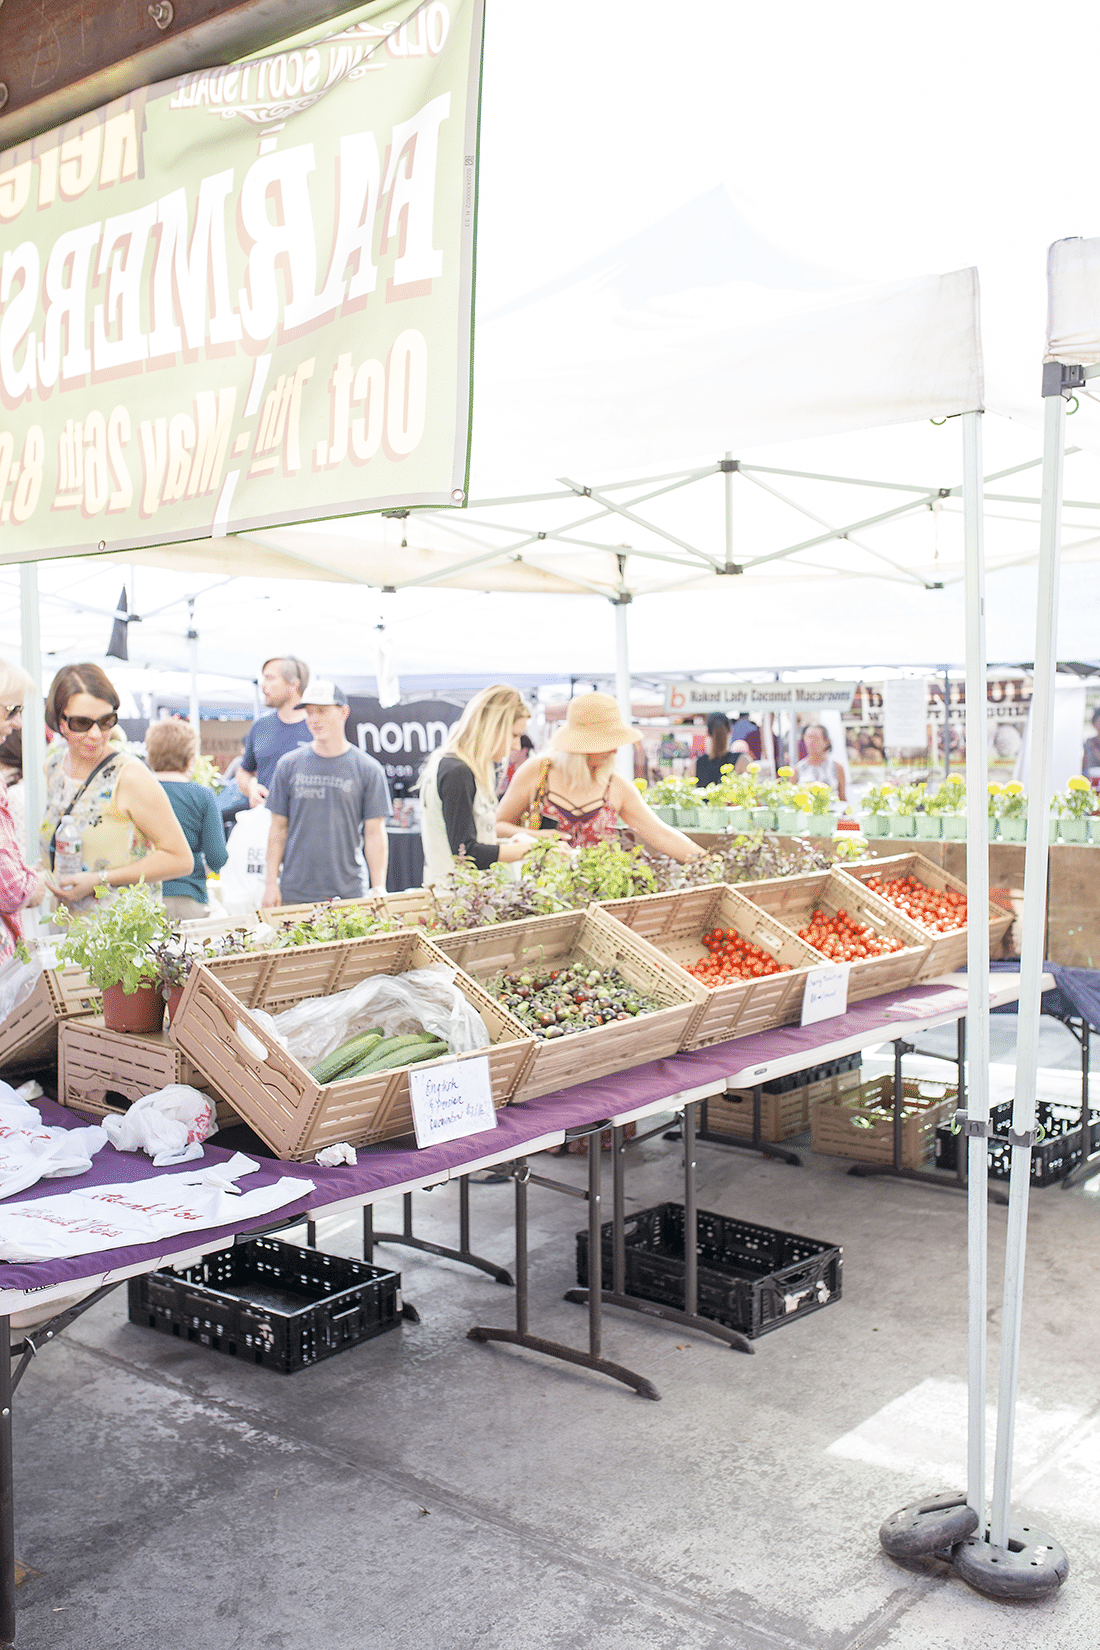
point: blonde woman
(19, 885)
(458, 786)
(576, 791)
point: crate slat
(276, 1095)
(791, 900)
(675, 924)
(563, 937)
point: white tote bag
(242, 877)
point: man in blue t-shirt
(282, 682)
(329, 803)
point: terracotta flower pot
(140, 1011)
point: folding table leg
(1090, 1160)
(689, 1317)
(520, 1335)
(7, 1495)
(464, 1254)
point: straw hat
(593, 723)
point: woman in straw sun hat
(575, 790)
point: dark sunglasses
(11, 710)
(82, 724)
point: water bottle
(67, 861)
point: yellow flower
(887, 789)
(801, 799)
(786, 773)
(1013, 788)
(641, 784)
(1078, 783)
(994, 788)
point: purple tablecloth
(380, 1167)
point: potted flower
(1012, 812)
(877, 808)
(739, 791)
(949, 804)
(114, 944)
(1074, 807)
(763, 809)
(927, 818)
(789, 810)
(820, 822)
(173, 963)
(908, 799)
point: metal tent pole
(976, 1121)
(1031, 948)
(625, 759)
(34, 726)
(193, 652)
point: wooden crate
(860, 1125)
(791, 900)
(562, 938)
(28, 1037)
(675, 924)
(781, 1115)
(947, 952)
(411, 908)
(101, 1072)
(273, 1091)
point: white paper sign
(452, 1100)
(905, 714)
(826, 993)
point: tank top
(438, 859)
(582, 827)
(107, 837)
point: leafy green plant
(205, 773)
(821, 797)
(1076, 801)
(909, 800)
(949, 799)
(880, 799)
(1012, 802)
(115, 943)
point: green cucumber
(406, 1057)
(349, 1053)
(390, 1045)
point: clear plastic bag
(424, 999)
(17, 981)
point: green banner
(245, 297)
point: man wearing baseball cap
(329, 803)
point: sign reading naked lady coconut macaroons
(243, 297)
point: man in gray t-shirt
(329, 803)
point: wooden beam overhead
(64, 58)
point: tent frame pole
(624, 759)
(976, 1123)
(1033, 924)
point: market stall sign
(401, 737)
(451, 1101)
(243, 297)
(826, 993)
(754, 698)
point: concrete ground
(425, 1491)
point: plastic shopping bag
(424, 998)
(244, 874)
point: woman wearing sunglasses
(127, 828)
(19, 885)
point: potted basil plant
(116, 946)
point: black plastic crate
(271, 1303)
(1051, 1158)
(751, 1278)
(813, 1074)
